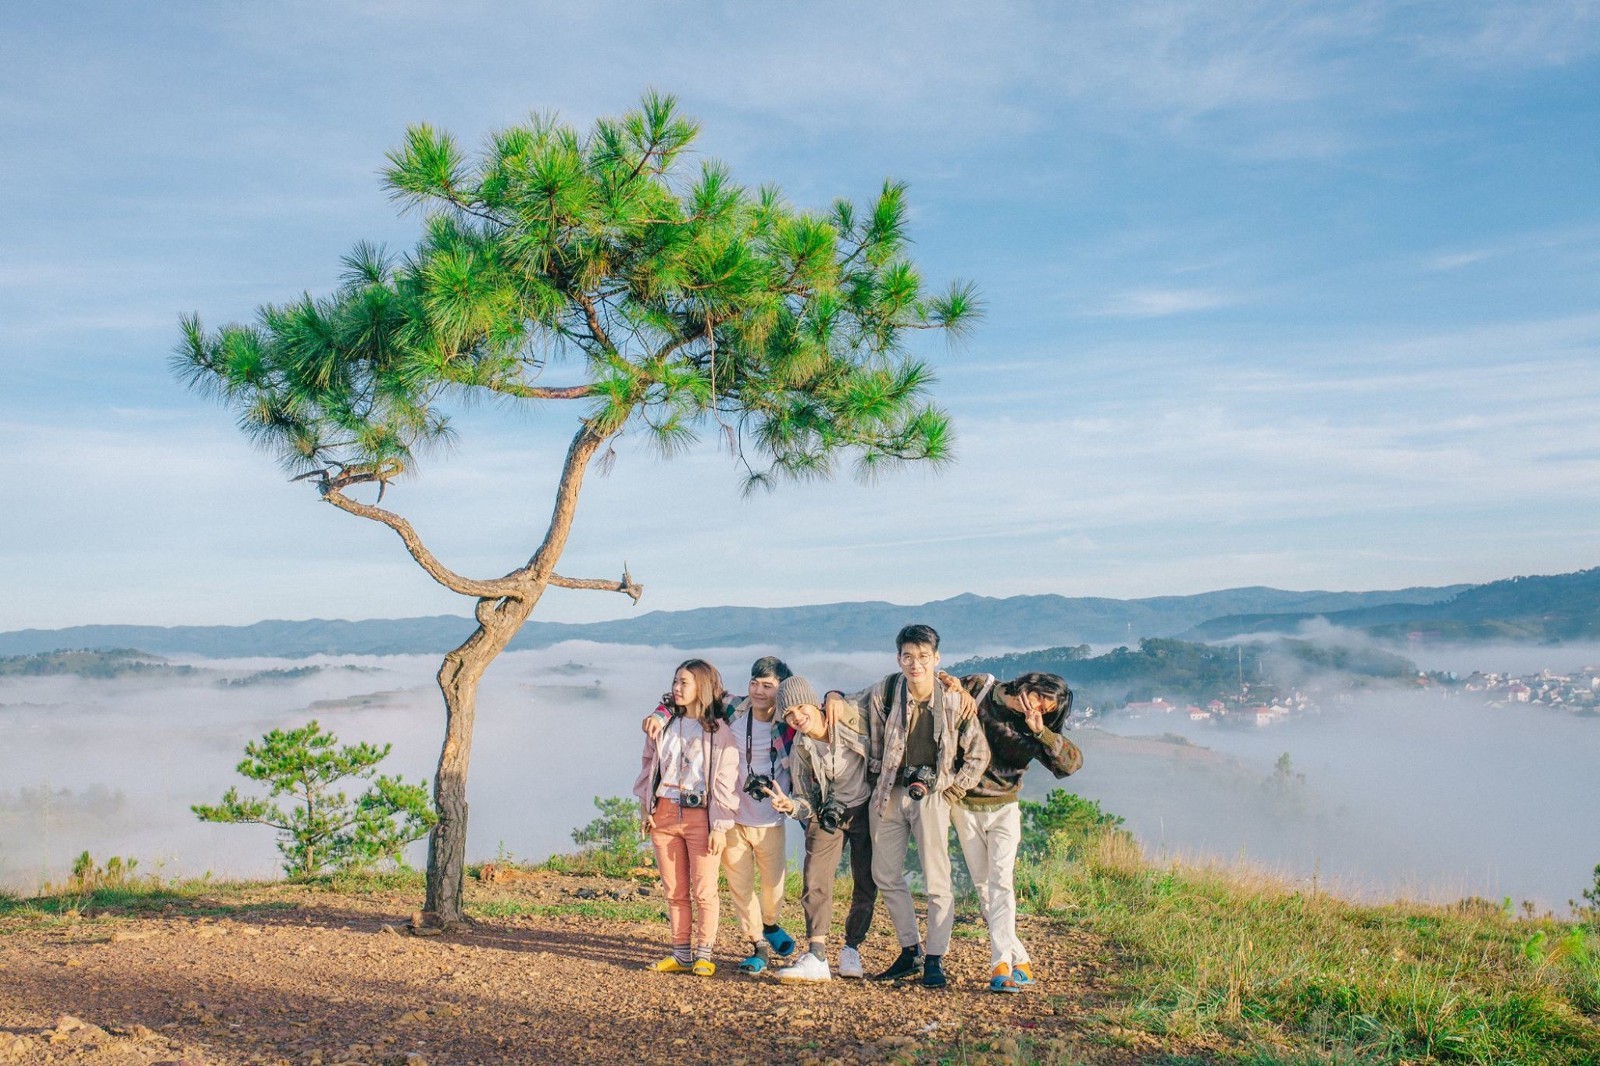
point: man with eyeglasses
(925, 750)
(1022, 721)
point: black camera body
(758, 786)
(920, 781)
(830, 815)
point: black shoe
(933, 972)
(909, 962)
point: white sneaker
(807, 968)
(849, 962)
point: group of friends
(896, 763)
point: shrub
(88, 876)
(1064, 821)
(612, 844)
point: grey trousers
(822, 863)
(928, 823)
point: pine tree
(676, 300)
(321, 828)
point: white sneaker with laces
(849, 962)
(807, 968)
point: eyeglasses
(921, 658)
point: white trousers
(928, 823)
(989, 840)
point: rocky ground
(555, 972)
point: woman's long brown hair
(709, 694)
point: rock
(389, 930)
(67, 1023)
(73, 963)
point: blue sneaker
(780, 941)
(757, 960)
(1022, 975)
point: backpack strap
(891, 692)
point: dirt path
(287, 974)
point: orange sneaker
(1000, 980)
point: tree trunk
(498, 622)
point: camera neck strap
(833, 758)
(772, 741)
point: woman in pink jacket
(688, 791)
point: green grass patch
(614, 910)
(194, 898)
(1264, 964)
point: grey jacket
(809, 769)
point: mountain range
(1559, 608)
(967, 623)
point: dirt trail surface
(287, 974)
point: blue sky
(1299, 295)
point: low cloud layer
(1386, 794)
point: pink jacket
(724, 773)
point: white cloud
(1515, 33)
(1159, 303)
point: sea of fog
(1384, 795)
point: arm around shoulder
(973, 748)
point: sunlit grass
(1214, 951)
(615, 910)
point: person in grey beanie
(829, 769)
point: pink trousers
(688, 872)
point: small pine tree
(1063, 819)
(323, 828)
(618, 832)
(1591, 896)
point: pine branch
(505, 586)
(626, 585)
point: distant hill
(115, 662)
(1543, 609)
(967, 623)
(1184, 670)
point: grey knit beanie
(795, 692)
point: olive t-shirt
(921, 748)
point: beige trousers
(926, 821)
(752, 850)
